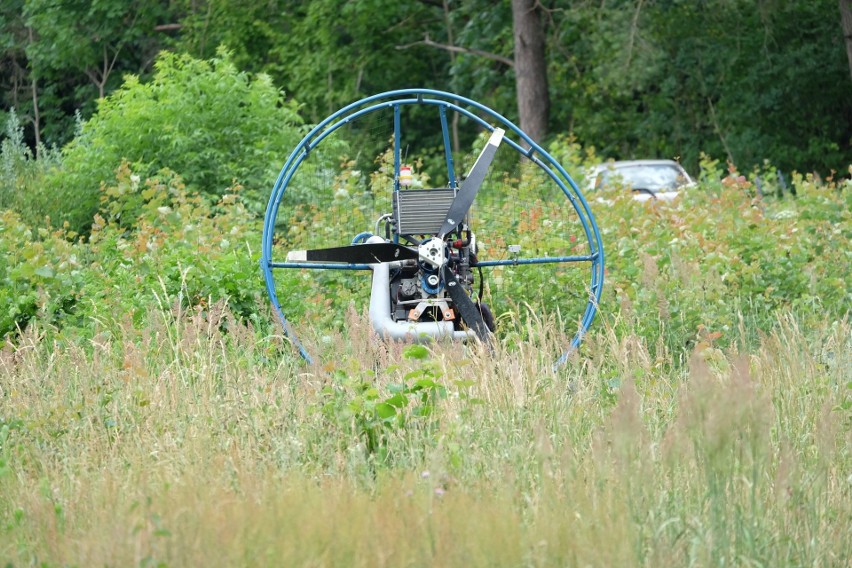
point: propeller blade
(468, 310)
(462, 202)
(368, 253)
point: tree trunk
(36, 116)
(451, 42)
(846, 21)
(531, 68)
(34, 92)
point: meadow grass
(197, 441)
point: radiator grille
(421, 211)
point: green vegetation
(24, 172)
(180, 243)
(153, 414)
(739, 80)
(179, 443)
(207, 121)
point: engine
(409, 298)
(417, 292)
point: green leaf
(426, 384)
(44, 271)
(416, 352)
(385, 411)
(398, 400)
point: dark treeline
(741, 80)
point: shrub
(687, 272)
(680, 274)
(154, 245)
(205, 120)
(157, 238)
(22, 174)
(40, 277)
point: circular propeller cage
(357, 176)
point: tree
(19, 85)
(735, 79)
(94, 38)
(57, 59)
(478, 62)
(635, 78)
(530, 68)
(846, 23)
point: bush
(681, 273)
(689, 271)
(157, 239)
(205, 120)
(22, 174)
(718, 263)
(40, 277)
(154, 245)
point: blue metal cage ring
(381, 173)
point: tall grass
(197, 441)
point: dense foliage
(739, 80)
(207, 121)
(153, 239)
(722, 257)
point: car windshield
(654, 177)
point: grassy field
(152, 415)
(179, 445)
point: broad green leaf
(415, 351)
(385, 411)
(398, 400)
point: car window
(654, 177)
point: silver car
(647, 179)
